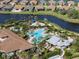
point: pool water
(38, 34)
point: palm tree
(1, 56)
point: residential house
(77, 8)
(60, 5)
(51, 5)
(42, 2)
(28, 8)
(71, 3)
(52, 2)
(18, 8)
(14, 1)
(24, 2)
(6, 1)
(61, 2)
(65, 7)
(34, 2)
(1, 0)
(39, 8)
(1, 5)
(78, 4)
(8, 7)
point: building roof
(53, 40)
(52, 2)
(33, 1)
(60, 42)
(8, 6)
(24, 1)
(42, 1)
(38, 24)
(39, 7)
(19, 6)
(70, 2)
(12, 42)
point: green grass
(65, 18)
(26, 12)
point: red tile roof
(13, 42)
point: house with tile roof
(18, 8)
(34, 2)
(71, 3)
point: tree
(72, 13)
(1, 56)
(63, 11)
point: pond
(61, 23)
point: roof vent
(3, 38)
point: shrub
(62, 11)
(68, 54)
(1, 56)
(75, 55)
(56, 9)
(50, 54)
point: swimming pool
(38, 34)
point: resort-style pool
(37, 34)
(61, 23)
